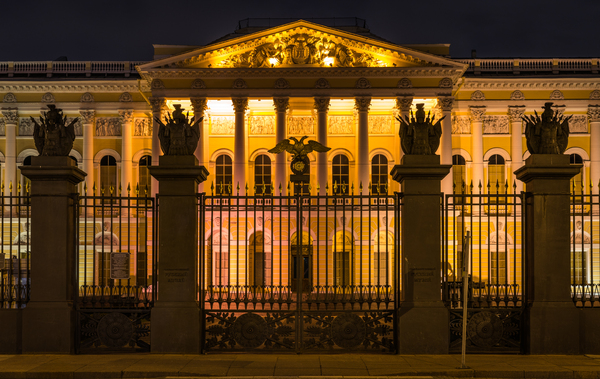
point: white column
(445, 103)
(281, 105)
(159, 105)
(126, 117)
(594, 116)
(516, 120)
(362, 105)
(477, 113)
(199, 105)
(87, 120)
(11, 116)
(240, 105)
(322, 106)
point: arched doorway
(301, 261)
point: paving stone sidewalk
(271, 365)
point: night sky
(126, 29)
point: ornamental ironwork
(548, 133)
(114, 330)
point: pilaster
(126, 118)
(200, 105)
(594, 117)
(445, 104)
(515, 114)
(87, 120)
(240, 106)
(321, 105)
(477, 113)
(11, 116)
(362, 105)
(281, 105)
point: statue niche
(419, 135)
(53, 137)
(548, 134)
(178, 136)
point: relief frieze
(260, 125)
(341, 125)
(108, 127)
(578, 124)
(300, 125)
(222, 125)
(2, 126)
(495, 125)
(142, 127)
(25, 126)
(381, 124)
(461, 125)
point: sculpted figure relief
(419, 135)
(177, 136)
(53, 137)
(548, 134)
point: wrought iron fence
(301, 272)
(15, 257)
(116, 271)
(585, 249)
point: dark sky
(126, 29)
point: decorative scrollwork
(250, 330)
(404, 83)
(115, 330)
(485, 329)
(281, 83)
(348, 330)
(198, 84)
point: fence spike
(18, 188)
(254, 188)
(27, 187)
(385, 188)
(318, 187)
(326, 189)
(10, 187)
(514, 186)
(128, 189)
(120, 188)
(230, 188)
(146, 190)
(137, 190)
(480, 187)
(280, 189)
(2, 188)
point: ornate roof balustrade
(67, 68)
(532, 66)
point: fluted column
(516, 121)
(322, 107)
(240, 105)
(477, 113)
(159, 105)
(281, 105)
(445, 103)
(362, 105)
(11, 115)
(594, 117)
(199, 105)
(126, 117)
(87, 120)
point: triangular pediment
(302, 44)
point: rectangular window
(342, 268)
(578, 267)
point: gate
(496, 294)
(299, 273)
(115, 273)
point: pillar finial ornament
(419, 135)
(362, 103)
(199, 105)
(11, 115)
(516, 112)
(445, 103)
(126, 115)
(53, 137)
(477, 112)
(548, 134)
(404, 103)
(158, 104)
(178, 136)
(594, 113)
(240, 104)
(281, 104)
(321, 104)
(87, 115)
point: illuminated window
(108, 175)
(496, 179)
(224, 174)
(262, 175)
(144, 179)
(379, 174)
(459, 175)
(342, 257)
(340, 175)
(577, 180)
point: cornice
(21, 87)
(530, 83)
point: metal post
(465, 298)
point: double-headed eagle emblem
(299, 151)
(178, 136)
(548, 134)
(53, 136)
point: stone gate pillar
(553, 318)
(175, 317)
(48, 319)
(423, 318)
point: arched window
(259, 255)
(262, 174)
(379, 174)
(496, 179)
(224, 174)
(343, 248)
(144, 179)
(577, 180)
(459, 177)
(108, 175)
(341, 175)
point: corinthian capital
(240, 104)
(11, 115)
(199, 105)
(594, 113)
(321, 104)
(158, 104)
(403, 103)
(87, 115)
(477, 112)
(362, 103)
(126, 115)
(516, 112)
(281, 104)
(445, 103)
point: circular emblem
(300, 164)
(348, 330)
(485, 329)
(115, 330)
(250, 330)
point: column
(87, 120)
(126, 117)
(594, 117)
(240, 105)
(176, 315)
(11, 115)
(445, 103)
(199, 105)
(362, 105)
(159, 105)
(553, 318)
(515, 114)
(49, 318)
(477, 113)
(322, 106)
(281, 105)
(423, 317)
